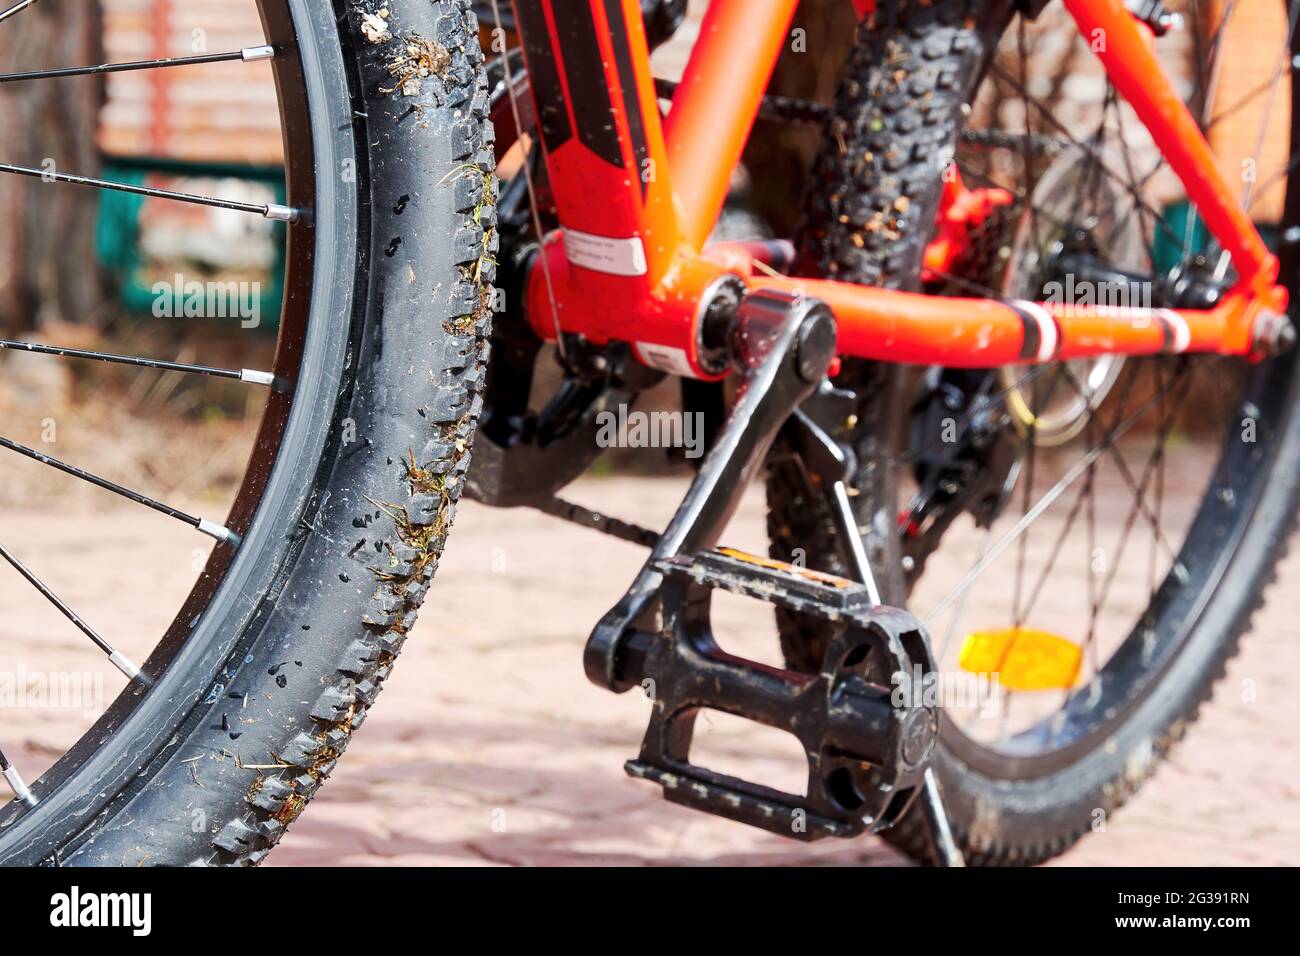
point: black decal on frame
(580, 53)
(627, 79)
(544, 75)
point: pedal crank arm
(867, 745)
(783, 345)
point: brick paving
(490, 747)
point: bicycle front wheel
(231, 723)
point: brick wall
(227, 112)
(220, 112)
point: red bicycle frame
(637, 198)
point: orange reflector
(1023, 659)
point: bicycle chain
(771, 107)
(557, 507)
(1000, 139)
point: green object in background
(1167, 252)
(117, 230)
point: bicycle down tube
(637, 198)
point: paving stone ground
(490, 747)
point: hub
(1079, 223)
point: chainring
(524, 454)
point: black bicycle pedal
(866, 738)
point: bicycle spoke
(248, 55)
(1284, 58)
(210, 528)
(1246, 99)
(1145, 224)
(1047, 113)
(1091, 542)
(1084, 496)
(15, 781)
(1022, 551)
(1133, 514)
(272, 211)
(1019, 614)
(115, 657)
(1139, 487)
(16, 9)
(1215, 40)
(1158, 370)
(985, 540)
(1052, 494)
(1027, 157)
(1272, 181)
(251, 376)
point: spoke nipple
(255, 377)
(254, 53)
(19, 788)
(280, 213)
(220, 532)
(125, 665)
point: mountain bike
(1030, 327)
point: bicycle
(935, 236)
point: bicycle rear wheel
(1143, 505)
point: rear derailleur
(964, 457)
(868, 746)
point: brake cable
(528, 182)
